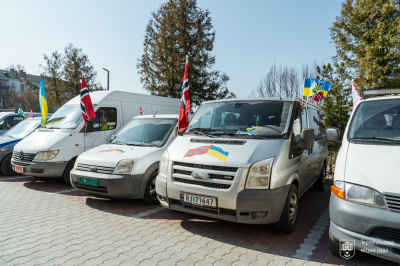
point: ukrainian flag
(312, 86)
(21, 112)
(218, 153)
(43, 102)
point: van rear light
(338, 192)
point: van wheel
(68, 170)
(150, 195)
(333, 244)
(319, 184)
(288, 220)
(6, 167)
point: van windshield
(21, 130)
(145, 132)
(376, 121)
(249, 119)
(68, 116)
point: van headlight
(364, 195)
(124, 167)
(45, 155)
(164, 165)
(259, 174)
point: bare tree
(284, 81)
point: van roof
(157, 116)
(98, 96)
(270, 99)
(386, 97)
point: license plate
(199, 200)
(87, 181)
(19, 169)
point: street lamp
(108, 79)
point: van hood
(109, 155)
(222, 151)
(6, 143)
(375, 166)
(42, 140)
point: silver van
(246, 161)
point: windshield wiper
(382, 138)
(118, 143)
(53, 127)
(9, 136)
(203, 134)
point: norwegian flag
(318, 96)
(30, 114)
(86, 103)
(356, 95)
(104, 120)
(8, 125)
(141, 111)
(183, 121)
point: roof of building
(6, 74)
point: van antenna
(155, 113)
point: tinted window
(11, 121)
(106, 119)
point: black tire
(319, 184)
(67, 171)
(333, 244)
(6, 167)
(288, 220)
(150, 195)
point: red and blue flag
(86, 103)
(141, 111)
(183, 121)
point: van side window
(106, 119)
(314, 122)
(299, 123)
(321, 116)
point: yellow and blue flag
(211, 150)
(43, 102)
(312, 86)
(21, 112)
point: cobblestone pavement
(46, 222)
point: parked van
(246, 161)
(365, 200)
(51, 151)
(127, 166)
(9, 139)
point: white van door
(107, 122)
(317, 153)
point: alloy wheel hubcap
(153, 193)
(293, 207)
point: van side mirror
(333, 134)
(307, 139)
(89, 127)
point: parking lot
(46, 222)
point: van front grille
(23, 159)
(392, 201)
(201, 183)
(207, 167)
(220, 177)
(95, 168)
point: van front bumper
(369, 227)
(113, 186)
(42, 169)
(268, 202)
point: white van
(127, 166)
(365, 200)
(52, 149)
(246, 161)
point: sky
(250, 36)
